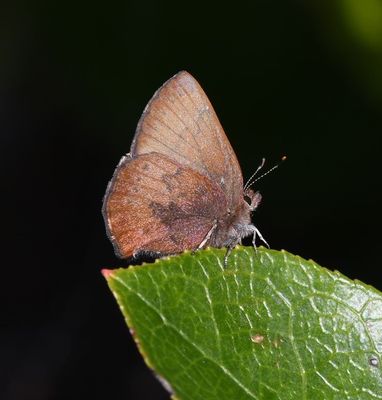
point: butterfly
(180, 187)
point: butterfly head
(252, 198)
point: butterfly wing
(154, 204)
(180, 122)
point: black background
(285, 77)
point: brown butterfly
(181, 186)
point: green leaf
(269, 326)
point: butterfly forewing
(180, 122)
(155, 204)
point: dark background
(285, 77)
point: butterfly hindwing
(154, 204)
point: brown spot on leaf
(258, 339)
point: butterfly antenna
(251, 182)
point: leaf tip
(107, 273)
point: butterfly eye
(247, 199)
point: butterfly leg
(256, 232)
(208, 236)
(230, 246)
(228, 252)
